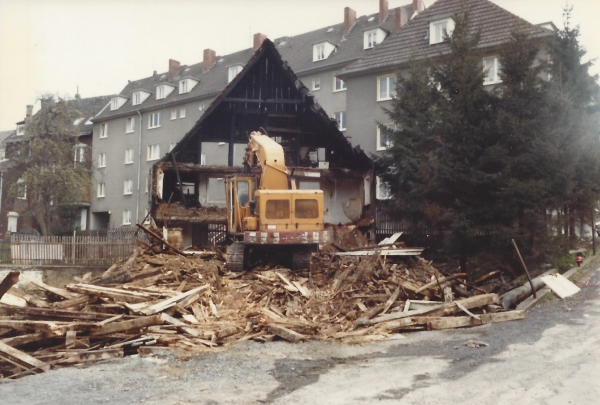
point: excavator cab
(267, 215)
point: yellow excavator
(267, 217)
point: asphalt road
(550, 357)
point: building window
(101, 187)
(128, 156)
(114, 104)
(103, 130)
(382, 190)
(21, 129)
(126, 217)
(160, 92)
(232, 72)
(21, 190)
(438, 30)
(316, 83)
(182, 112)
(153, 152)
(370, 39)
(383, 141)
(173, 114)
(79, 154)
(136, 98)
(319, 51)
(130, 125)
(491, 67)
(102, 160)
(154, 120)
(338, 84)
(183, 87)
(340, 117)
(128, 187)
(386, 87)
(172, 145)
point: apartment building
(348, 67)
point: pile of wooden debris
(187, 300)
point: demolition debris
(162, 298)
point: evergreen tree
(444, 145)
(572, 95)
(527, 158)
(44, 166)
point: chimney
(44, 103)
(29, 112)
(383, 10)
(174, 67)
(349, 19)
(402, 17)
(258, 40)
(209, 58)
(418, 6)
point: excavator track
(301, 258)
(235, 256)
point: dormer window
(373, 37)
(163, 91)
(21, 129)
(186, 85)
(117, 102)
(232, 72)
(140, 96)
(438, 30)
(322, 50)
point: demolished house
(188, 190)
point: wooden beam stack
(175, 300)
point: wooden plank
(391, 300)
(168, 303)
(22, 358)
(70, 339)
(463, 321)
(11, 279)
(287, 334)
(560, 285)
(23, 339)
(13, 301)
(384, 252)
(176, 322)
(137, 323)
(440, 281)
(403, 324)
(114, 293)
(437, 310)
(94, 355)
(61, 292)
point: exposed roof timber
(306, 104)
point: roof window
(163, 91)
(438, 30)
(117, 102)
(140, 96)
(322, 50)
(186, 85)
(373, 37)
(232, 72)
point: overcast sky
(59, 46)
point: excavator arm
(269, 155)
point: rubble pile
(187, 300)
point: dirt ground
(550, 357)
